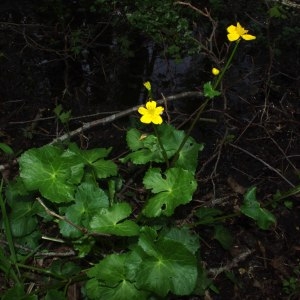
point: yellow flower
(237, 32)
(151, 113)
(147, 85)
(215, 71)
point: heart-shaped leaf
(110, 220)
(45, 169)
(176, 187)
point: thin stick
(54, 214)
(234, 263)
(111, 118)
(121, 114)
(263, 162)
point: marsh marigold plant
(151, 113)
(237, 32)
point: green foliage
(209, 90)
(213, 217)
(88, 200)
(251, 208)
(158, 263)
(6, 149)
(18, 292)
(51, 174)
(290, 285)
(61, 115)
(111, 221)
(55, 172)
(55, 295)
(164, 265)
(277, 11)
(171, 189)
(166, 25)
(133, 245)
(111, 279)
(146, 148)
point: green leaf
(109, 221)
(105, 168)
(88, 200)
(223, 236)
(55, 295)
(291, 192)
(176, 187)
(204, 282)
(277, 11)
(110, 280)
(146, 148)
(188, 156)
(184, 236)
(17, 292)
(252, 209)
(164, 266)
(134, 139)
(64, 268)
(22, 218)
(110, 270)
(44, 169)
(94, 158)
(83, 245)
(206, 215)
(30, 241)
(6, 149)
(209, 91)
(123, 291)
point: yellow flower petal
(159, 110)
(231, 29)
(233, 37)
(151, 113)
(248, 37)
(151, 105)
(237, 32)
(240, 30)
(157, 120)
(146, 119)
(142, 110)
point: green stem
(187, 135)
(164, 153)
(9, 235)
(203, 106)
(220, 77)
(41, 271)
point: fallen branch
(232, 264)
(109, 119)
(121, 114)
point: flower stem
(187, 135)
(220, 77)
(163, 150)
(204, 104)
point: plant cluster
(126, 244)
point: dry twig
(263, 162)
